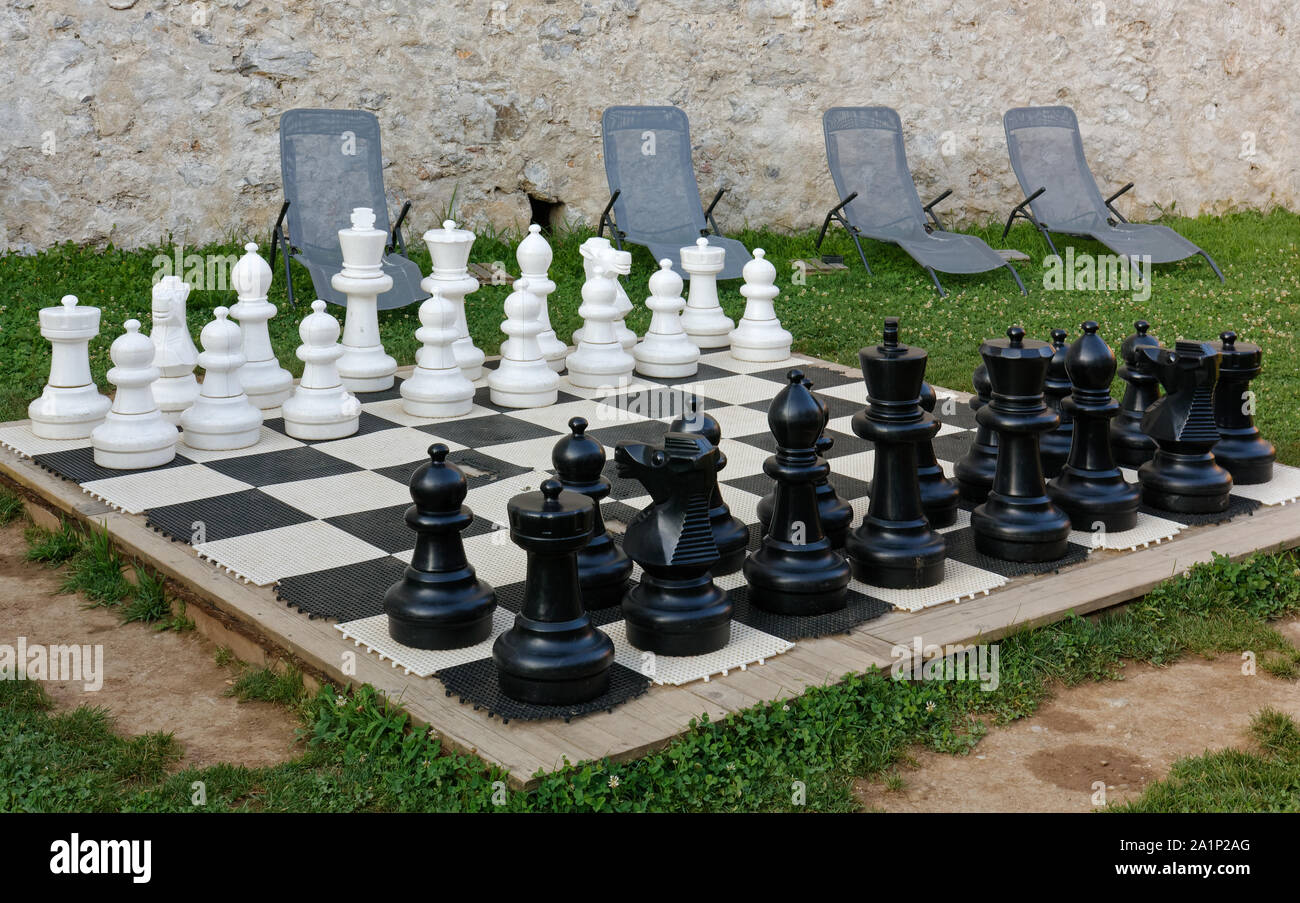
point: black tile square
(846, 444)
(386, 528)
(655, 403)
(961, 547)
(283, 466)
(621, 488)
(957, 413)
(224, 516)
(954, 446)
(483, 396)
(860, 608)
(765, 441)
(480, 469)
(384, 395)
(344, 593)
(822, 377)
(367, 423)
(493, 429)
(78, 465)
(648, 431)
(476, 683)
(704, 373)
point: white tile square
(855, 392)
(747, 646)
(742, 460)
(346, 493)
(557, 416)
(269, 441)
(960, 581)
(137, 492)
(372, 633)
(21, 439)
(737, 420)
(385, 448)
(740, 389)
(533, 453)
(391, 410)
(489, 500)
(494, 557)
(270, 555)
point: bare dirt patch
(1124, 734)
(153, 681)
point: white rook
(759, 335)
(266, 383)
(174, 351)
(364, 366)
(135, 434)
(449, 247)
(703, 318)
(70, 406)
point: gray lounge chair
(1061, 194)
(878, 199)
(330, 162)
(654, 200)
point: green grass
(11, 507)
(1263, 779)
(361, 753)
(52, 547)
(831, 316)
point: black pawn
(1131, 445)
(836, 514)
(974, 472)
(676, 608)
(1054, 446)
(1183, 475)
(552, 655)
(796, 570)
(1090, 489)
(938, 496)
(603, 569)
(894, 545)
(1242, 451)
(730, 533)
(1018, 521)
(439, 603)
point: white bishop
(534, 258)
(759, 335)
(263, 380)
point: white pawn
(263, 380)
(320, 407)
(221, 418)
(364, 366)
(70, 406)
(667, 350)
(534, 258)
(598, 251)
(135, 434)
(449, 249)
(759, 336)
(523, 379)
(437, 387)
(600, 360)
(174, 351)
(703, 318)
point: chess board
(323, 522)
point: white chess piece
(174, 351)
(667, 350)
(534, 258)
(449, 247)
(759, 335)
(320, 407)
(221, 418)
(263, 380)
(598, 251)
(364, 366)
(523, 379)
(600, 360)
(703, 318)
(437, 387)
(70, 406)
(135, 434)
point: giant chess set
(551, 531)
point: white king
(364, 366)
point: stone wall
(128, 120)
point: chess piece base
(974, 474)
(1132, 447)
(68, 412)
(897, 556)
(449, 610)
(938, 497)
(1185, 483)
(1089, 499)
(797, 580)
(732, 539)
(240, 424)
(1021, 529)
(553, 663)
(677, 617)
(667, 371)
(174, 394)
(517, 399)
(426, 395)
(134, 442)
(603, 572)
(1248, 457)
(301, 423)
(367, 383)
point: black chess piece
(796, 570)
(1054, 446)
(552, 655)
(1090, 488)
(1131, 446)
(1018, 521)
(439, 603)
(974, 472)
(676, 609)
(1183, 475)
(836, 514)
(894, 545)
(603, 569)
(1241, 450)
(938, 495)
(730, 533)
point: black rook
(1242, 451)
